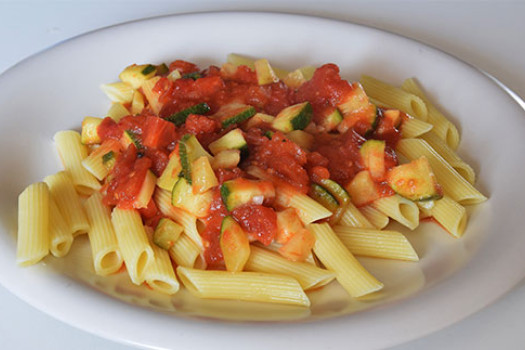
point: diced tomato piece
(258, 221)
(183, 67)
(157, 133)
(109, 129)
(127, 178)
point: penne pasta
(378, 219)
(443, 128)
(412, 127)
(391, 96)
(354, 218)
(101, 160)
(453, 184)
(450, 156)
(72, 152)
(68, 201)
(60, 235)
(160, 275)
(117, 111)
(186, 253)
(309, 276)
(33, 224)
(186, 220)
(400, 209)
(354, 278)
(133, 242)
(107, 258)
(376, 243)
(451, 215)
(249, 286)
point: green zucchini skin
(242, 191)
(321, 195)
(296, 117)
(239, 116)
(179, 118)
(166, 233)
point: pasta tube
(249, 286)
(33, 224)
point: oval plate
(55, 89)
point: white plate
(55, 89)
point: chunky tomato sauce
(333, 155)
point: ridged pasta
(454, 185)
(308, 275)
(394, 97)
(72, 152)
(400, 209)
(107, 258)
(354, 217)
(413, 127)
(60, 235)
(374, 216)
(376, 243)
(354, 278)
(443, 128)
(133, 242)
(450, 156)
(186, 253)
(186, 220)
(159, 274)
(249, 286)
(451, 215)
(68, 201)
(33, 224)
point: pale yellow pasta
(68, 201)
(274, 247)
(450, 156)
(133, 242)
(96, 163)
(309, 276)
(413, 127)
(60, 235)
(160, 275)
(33, 224)
(354, 217)
(443, 128)
(249, 286)
(186, 253)
(453, 184)
(374, 216)
(117, 111)
(391, 96)
(376, 243)
(72, 152)
(239, 60)
(451, 215)
(118, 92)
(400, 209)
(151, 96)
(186, 220)
(354, 278)
(107, 258)
(137, 105)
(307, 208)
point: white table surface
(489, 35)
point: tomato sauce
(211, 232)
(258, 221)
(333, 155)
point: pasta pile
(71, 202)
